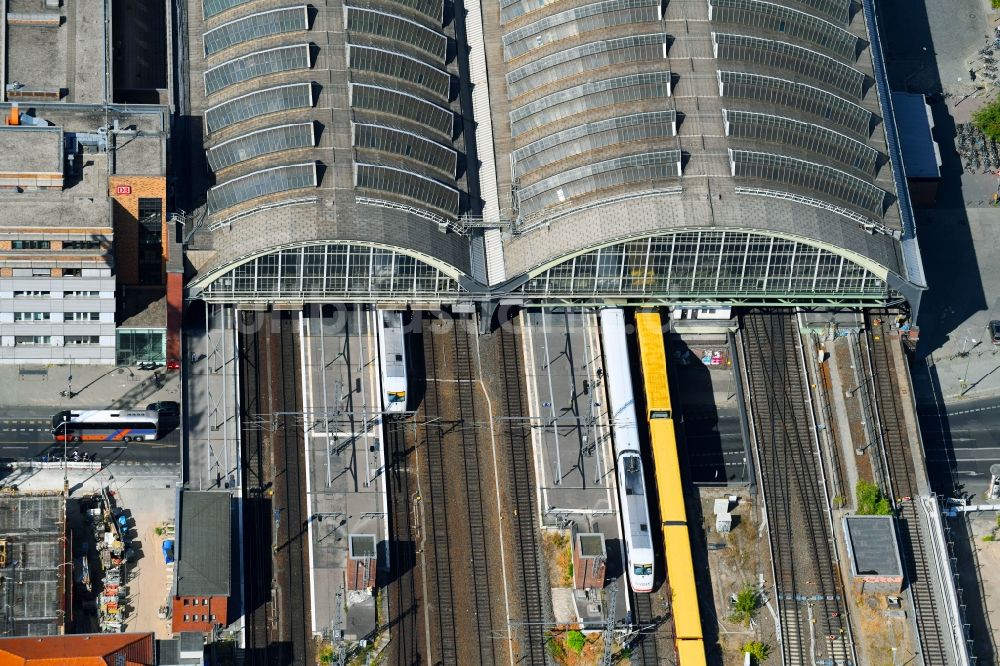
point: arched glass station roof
(735, 150)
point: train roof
(680, 575)
(619, 376)
(393, 344)
(667, 471)
(691, 652)
(653, 358)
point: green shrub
(759, 650)
(987, 118)
(989, 537)
(996, 4)
(746, 605)
(575, 641)
(555, 648)
(871, 501)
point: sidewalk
(84, 481)
(93, 386)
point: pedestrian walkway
(211, 419)
(84, 386)
(35, 479)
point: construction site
(33, 558)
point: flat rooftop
(27, 149)
(871, 541)
(31, 593)
(47, 134)
(54, 53)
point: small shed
(723, 518)
(589, 561)
(874, 553)
(361, 563)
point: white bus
(114, 425)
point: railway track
(646, 649)
(474, 495)
(256, 514)
(444, 639)
(531, 582)
(902, 477)
(404, 604)
(809, 591)
(288, 441)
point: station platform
(347, 525)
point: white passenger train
(631, 482)
(392, 360)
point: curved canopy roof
(340, 108)
(758, 99)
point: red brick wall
(125, 217)
(175, 314)
(216, 606)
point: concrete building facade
(82, 183)
(63, 245)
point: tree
(871, 500)
(987, 119)
(746, 605)
(575, 641)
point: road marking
(15, 447)
(964, 411)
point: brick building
(202, 590)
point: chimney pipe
(15, 115)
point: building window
(39, 272)
(187, 617)
(31, 316)
(82, 340)
(30, 245)
(81, 316)
(187, 602)
(31, 340)
(81, 245)
(135, 345)
(31, 294)
(72, 272)
(150, 241)
(81, 294)
(197, 602)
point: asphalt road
(960, 444)
(28, 435)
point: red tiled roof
(83, 650)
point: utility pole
(609, 624)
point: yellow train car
(667, 472)
(691, 652)
(653, 358)
(680, 572)
(670, 491)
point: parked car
(995, 331)
(165, 408)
